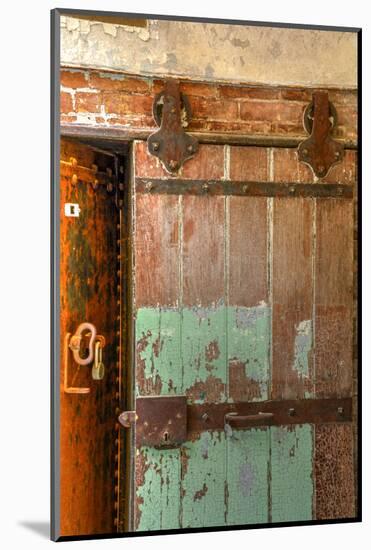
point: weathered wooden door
(243, 302)
(88, 293)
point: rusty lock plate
(160, 421)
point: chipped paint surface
(158, 493)
(248, 350)
(159, 370)
(185, 351)
(224, 52)
(291, 471)
(303, 347)
(247, 477)
(243, 477)
(203, 502)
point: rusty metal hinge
(167, 421)
(320, 151)
(170, 143)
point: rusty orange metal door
(88, 293)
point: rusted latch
(160, 421)
(320, 151)
(170, 143)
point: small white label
(71, 210)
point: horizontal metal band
(174, 186)
(303, 411)
(228, 138)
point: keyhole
(72, 209)
(166, 437)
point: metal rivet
(340, 411)
(291, 412)
(292, 190)
(245, 188)
(340, 191)
(109, 172)
(205, 186)
(149, 186)
(337, 154)
(305, 152)
(155, 145)
(205, 417)
(74, 179)
(321, 169)
(190, 148)
(173, 164)
(73, 161)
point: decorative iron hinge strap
(167, 421)
(320, 151)
(170, 143)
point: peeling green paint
(249, 341)
(204, 348)
(251, 476)
(303, 346)
(158, 347)
(159, 496)
(247, 477)
(291, 471)
(203, 477)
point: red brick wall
(121, 101)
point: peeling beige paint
(220, 52)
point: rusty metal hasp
(320, 151)
(170, 143)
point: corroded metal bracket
(320, 151)
(170, 143)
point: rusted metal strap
(274, 413)
(242, 188)
(167, 421)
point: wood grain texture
(156, 250)
(292, 371)
(334, 298)
(203, 250)
(247, 238)
(291, 473)
(87, 293)
(334, 471)
(248, 477)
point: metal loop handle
(76, 342)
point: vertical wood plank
(156, 250)
(247, 477)
(158, 489)
(292, 368)
(334, 298)
(158, 352)
(203, 481)
(334, 471)
(203, 251)
(291, 473)
(247, 251)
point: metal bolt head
(337, 155)
(340, 411)
(292, 190)
(155, 145)
(205, 417)
(205, 187)
(149, 186)
(291, 412)
(190, 148)
(245, 188)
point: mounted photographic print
(204, 205)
